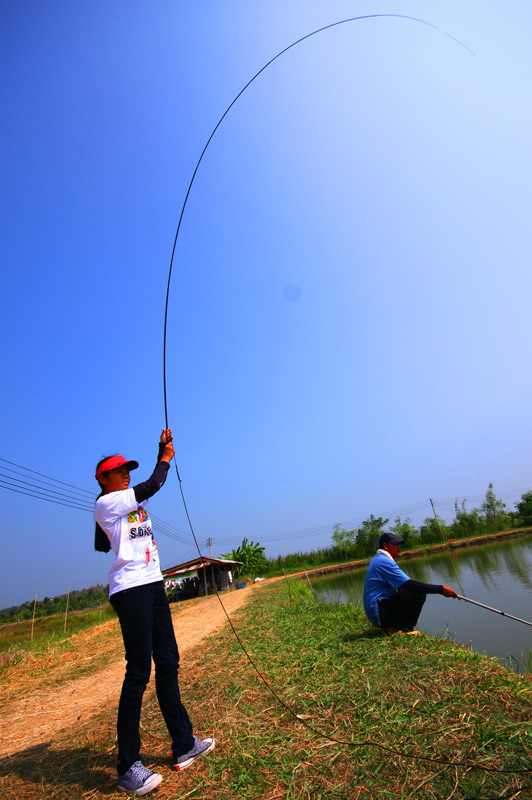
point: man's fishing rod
(495, 610)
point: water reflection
(498, 575)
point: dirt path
(43, 712)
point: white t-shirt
(128, 527)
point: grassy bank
(16, 636)
(428, 700)
(418, 696)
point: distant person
(392, 601)
(138, 596)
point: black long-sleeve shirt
(418, 587)
(148, 488)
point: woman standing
(137, 594)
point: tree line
(78, 600)
(349, 545)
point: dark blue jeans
(147, 630)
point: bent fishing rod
(495, 610)
(463, 764)
(361, 18)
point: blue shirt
(383, 579)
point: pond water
(498, 575)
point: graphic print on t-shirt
(142, 530)
(137, 535)
(139, 515)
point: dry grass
(60, 662)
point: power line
(38, 497)
(51, 491)
(44, 476)
(25, 484)
(171, 531)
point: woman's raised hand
(166, 439)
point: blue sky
(349, 310)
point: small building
(199, 577)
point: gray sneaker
(138, 780)
(201, 748)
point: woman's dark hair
(101, 540)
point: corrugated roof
(196, 563)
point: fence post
(289, 587)
(33, 617)
(66, 609)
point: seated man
(392, 601)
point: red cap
(113, 462)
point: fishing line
(315, 731)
